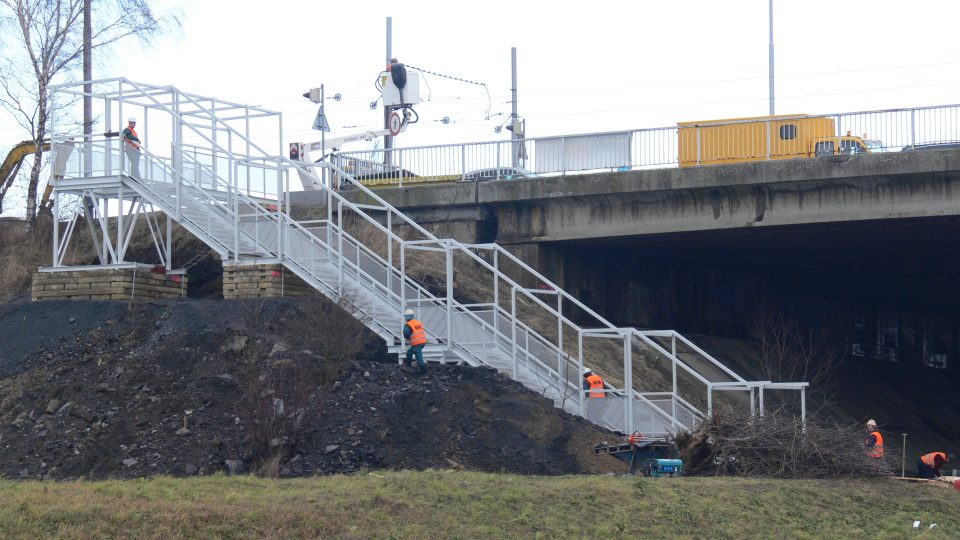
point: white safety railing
(688, 144)
(480, 304)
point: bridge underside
(886, 288)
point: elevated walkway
(480, 305)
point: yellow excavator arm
(11, 166)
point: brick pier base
(114, 284)
(261, 281)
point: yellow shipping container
(762, 138)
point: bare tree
(44, 43)
(790, 352)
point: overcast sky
(583, 66)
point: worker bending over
(593, 389)
(874, 440)
(414, 333)
(928, 466)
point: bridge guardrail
(687, 144)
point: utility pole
(514, 118)
(388, 139)
(771, 58)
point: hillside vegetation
(450, 504)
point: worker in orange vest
(928, 466)
(131, 147)
(414, 333)
(593, 389)
(592, 384)
(874, 440)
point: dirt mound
(101, 390)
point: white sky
(582, 66)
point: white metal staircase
(523, 326)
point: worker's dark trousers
(418, 351)
(924, 470)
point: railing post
(698, 145)
(913, 127)
(769, 139)
(463, 161)
(752, 403)
(563, 155)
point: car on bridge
(945, 145)
(495, 173)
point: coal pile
(107, 390)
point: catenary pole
(771, 58)
(388, 139)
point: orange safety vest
(877, 450)
(418, 336)
(596, 386)
(930, 459)
(131, 142)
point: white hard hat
(408, 312)
(587, 370)
(871, 422)
(132, 119)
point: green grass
(440, 505)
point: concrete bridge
(867, 242)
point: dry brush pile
(776, 445)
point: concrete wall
(828, 189)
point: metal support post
(761, 402)
(105, 232)
(280, 235)
(496, 295)
(709, 399)
(403, 274)
(673, 369)
(753, 405)
(449, 251)
(803, 405)
(583, 411)
(340, 247)
(628, 381)
(513, 326)
(56, 226)
(559, 337)
(118, 258)
(168, 248)
(389, 253)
